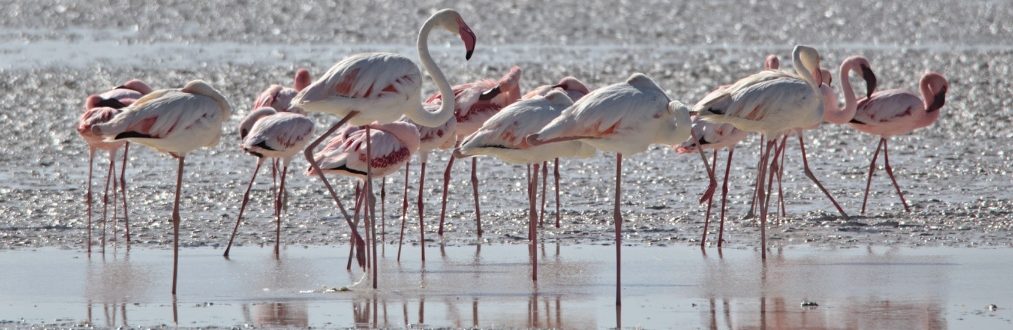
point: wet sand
(489, 286)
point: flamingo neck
(421, 115)
(802, 70)
(927, 94)
(831, 112)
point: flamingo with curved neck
(831, 112)
(381, 87)
(897, 112)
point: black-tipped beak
(559, 86)
(242, 134)
(489, 94)
(467, 56)
(938, 100)
(870, 80)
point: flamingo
(176, 122)
(772, 103)
(503, 136)
(476, 102)
(267, 133)
(278, 137)
(574, 89)
(716, 137)
(886, 113)
(99, 109)
(431, 138)
(624, 118)
(382, 87)
(391, 146)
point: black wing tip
(129, 135)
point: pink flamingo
(623, 118)
(431, 138)
(712, 136)
(176, 122)
(99, 109)
(772, 103)
(391, 146)
(382, 87)
(277, 135)
(886, 113)
(574, 89)
(476, 102)
(503, 136)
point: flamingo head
(573, 87)
(509, 86)
(247, 124)
(862, 64)
(771, 62)
(302, 79)
(937, 86)
(451, 20)
(95, 101)
(136, 85)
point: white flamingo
(176, 122)
(382, 87)
(623, 118)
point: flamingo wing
(607, 111)
(358, 81)
(164, 113)
(889, 106)
(281, 131)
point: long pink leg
(308, 154)
(404, 211)
(618, 218)
(707, 215)
(116, 186)
(175, 224)
(752, 202)
(780, 174)
(443, 201)
(123, 189)
(356, 244)
(809, 173)
(421, 207)
(533, 220)
(105, 199)
(761, 197)
(274, 181)
(277, 206)
(556, 173)
(889, 171)
(383, 213)
(778, 149)
(724, 197)
(474, 189)
(88, 198)
(242, 207)
(872, 168)
(371, 203)
(545, 183)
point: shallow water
(489, 286)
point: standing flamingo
(712, 136)
(503, 136)
(391, 146)
(574, 89)
(99, 109)
(887, 113)
(173, 121)
(364, 88)
(624, 118)
(267, 133)
(431, 138)
(476, 102)
(279, 138)
(772, 103)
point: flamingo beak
(467, 37)
(489, 94)
(870, 80)
(938, 100)
(112, 103)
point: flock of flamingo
(384, 121)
